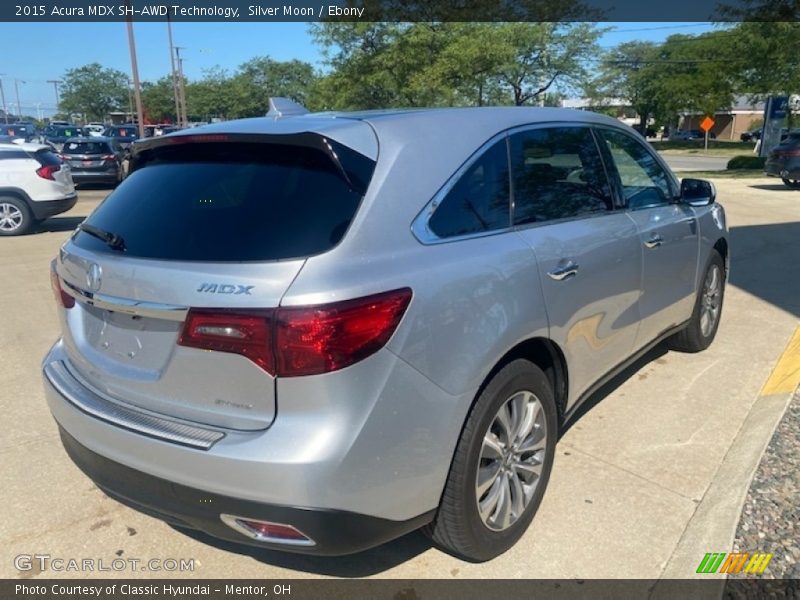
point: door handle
(655, 241)
(561, 273)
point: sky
(34, 53)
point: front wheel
(501, 465)
(702, 327)
(793, 184)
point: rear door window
(222, 202)
(479, 200)
(558, 174)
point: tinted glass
(231, 202)
(120, 132)
(67, 132)
(558, 174)
(479, 200)
(86, 148)
(46, 157)
(644, 182)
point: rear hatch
(88, 156)
(53, 169)
(222, 223)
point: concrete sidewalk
(644, 484)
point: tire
(793, 184)
(15, 216)
(458, 526)
(698, 334)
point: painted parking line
(785, 377)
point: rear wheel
(15, 216)
(791, 183)
(702, 327)
(501, 465)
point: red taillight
(108, 157)
(319, 339)
(197, 137)
(46, 172)
(304, 340)
(231, 331)
(62, 297)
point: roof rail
(283, 107)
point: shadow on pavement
(55, 224)
(369, 562)
(765, 262)
(773, 187)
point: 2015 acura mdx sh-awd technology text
(319, 332)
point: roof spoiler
(283, 107)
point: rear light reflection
(62, 297)
(295, 341)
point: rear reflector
(62, 297)
(303, 340)
(266, 531)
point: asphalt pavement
(651, 478)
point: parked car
(34, 185)
(59, 134)
(93, 160)
(691, 134)
(95, 129)
(123, 135)
(18, 131)
(784, 160)
(416, 387)
(751, 136)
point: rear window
(120, 132)
(47, 157)
(86, 148)
(218, 202)
(67, 132)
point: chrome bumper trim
(126, 416)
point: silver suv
(319, 332)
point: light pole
(3, 98)
(135, 71)
(55, 83)
(181, 88)
(175, 84)
(16, 89)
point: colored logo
(735, 562)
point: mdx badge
(225, 288)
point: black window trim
(420, 225)
(613, 172)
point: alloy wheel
(710, 301)
(10, 217)
(511, 460)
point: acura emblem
(93, 277)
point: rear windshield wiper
(112, 240)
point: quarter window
(479, 200)
(558, 174)
(644, 182)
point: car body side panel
(594, 315)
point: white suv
(34, 185)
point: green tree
(444, 64)
(158, 100)
(94, 91)
(262, 77)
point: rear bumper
(334, 532)
(43, 209)
(110, 176)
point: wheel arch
(721, 246)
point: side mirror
(698, 192)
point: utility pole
(135, 69)
(176, 95)
(181, 87)
(55, 83)
(16, 89)
(3, 98)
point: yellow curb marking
(785, 376)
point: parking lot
(649, 479)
